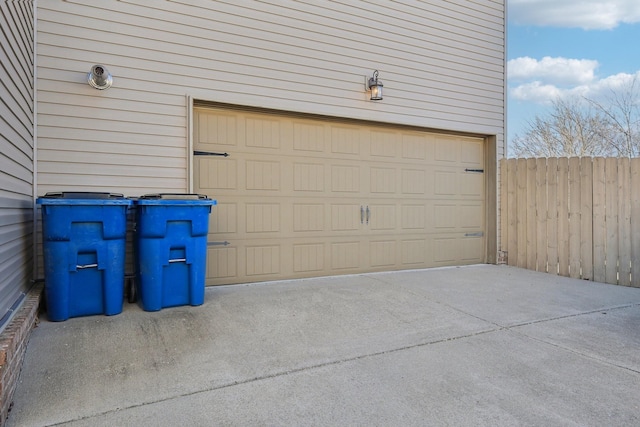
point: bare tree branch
(585, 127)
(572, 128)
(622, 112)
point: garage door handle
(361, 214)
(368, 214)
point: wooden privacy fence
(577, 217)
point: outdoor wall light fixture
(375, 86)
(99, 77)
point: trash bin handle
(81, 267)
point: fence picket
(531, 215)
(574, 217)
(611, 220)
(541, 214)
(521, 220)
(552, 215)
(599, 226)
(624, 222)
(504, 212)
(563, 216)
(512, 205)
(586, 218)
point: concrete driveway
(468, 346)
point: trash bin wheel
(131, 290)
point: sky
(567, 48)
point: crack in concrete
(573, 351)
(513, 328)
(283, 373)
(497, 328)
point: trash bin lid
(83, 198)
(82, 195)
(175, 199)
(175, 196)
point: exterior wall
(17, 313)
(442, 65)
(16, 152)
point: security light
(99, 77)
(375, 86)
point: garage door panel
(413, 217)
(309, 257)
(223, 218)
(263, 260)
(302, 198)
(345, 179)
(263, 133)
(382, 217)
(222, 264)
(446, 150)
(471, 216)
(383, 180)
(309, 177)
(216, 129)
(471, 153)
(447, 249)
(346, 216)
(263, 218)
(417, 146)
(471, 247)
(414, 181)
(446, 183)
(385, 144)
(445, 216)
(472, 184)
(346, 256)
(308, 217)
(216, 174)
(263, 175)
(309, 136)
(415, 253)
(383, 253)
(457, 249)
(345, 140)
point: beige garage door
(305, 197)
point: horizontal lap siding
(16, 150)
(442, 65)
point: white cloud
(586, 14)
(604, 86)
(563, 71)
(543, 92)
(536, 91)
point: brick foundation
(13, 344)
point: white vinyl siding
(16, 150)
(442, 65)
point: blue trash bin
(84, 253)
(171, 249)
